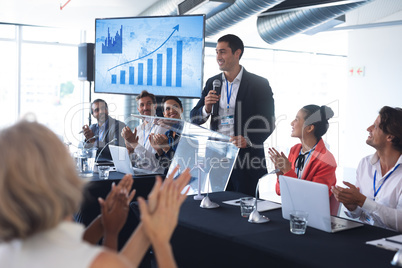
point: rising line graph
(176, 28)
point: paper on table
(395, 239)
(263, 205)
(393, 243)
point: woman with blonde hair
(39, 193)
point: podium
(208, 154)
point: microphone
(85, 143)
(255, 216)
(103, 148)
(216, 85)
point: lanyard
(145, 140)
(228, 94)
(375, 174)
(305, 161)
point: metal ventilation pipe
(274, 28)
(162, 7)
(235, 13)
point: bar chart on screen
(163, 55)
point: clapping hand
(115, 210)
(280, 160)
(160, 215)
(130, 138)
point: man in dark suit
(105, 130)
(243, 110)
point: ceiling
(81, 14)
(78, 14)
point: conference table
(220, 237)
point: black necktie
(299, 163)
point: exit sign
(357, 71)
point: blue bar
(179, 63)
(159, 70)
(169, 67)
(114, 78)
(140, 74)
(122, 77)
(149, 72)
(131, 75)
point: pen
(238, 201)
(385, 247)
(393, 241)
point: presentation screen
(163, 55)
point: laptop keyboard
(336, 225)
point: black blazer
(254, 111)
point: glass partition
(209, 155)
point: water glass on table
(247, 205)
(298, 222)
(103, 172)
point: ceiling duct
(207, 7)
(162, 7)
(235, 13)
(276, 27)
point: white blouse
(60, 247)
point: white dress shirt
(226, 88)
(386, 210)
(144, 150)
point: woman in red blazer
(310, 159)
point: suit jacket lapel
(241, 95)
(314, 155)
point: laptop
(122, 162)
(313, 198)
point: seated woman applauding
(308, 160)
(40, 191)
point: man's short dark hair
(234, 42)
(144, 94)
(176, 99)
(96, 101)
(391, 124)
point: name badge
(227, 120)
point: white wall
(379, 50)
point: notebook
(122, 162)
(313, 198)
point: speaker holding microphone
(216, 85)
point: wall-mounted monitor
(163, 55)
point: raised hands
(114, 212)
(159, 217)
(350, 197)
(130, 138)
(280, 160)
(115, 209)
(88, 133)
(159, 142)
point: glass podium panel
(208, 154)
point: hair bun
(326, 112)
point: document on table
(262, 205)
(393, 243)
